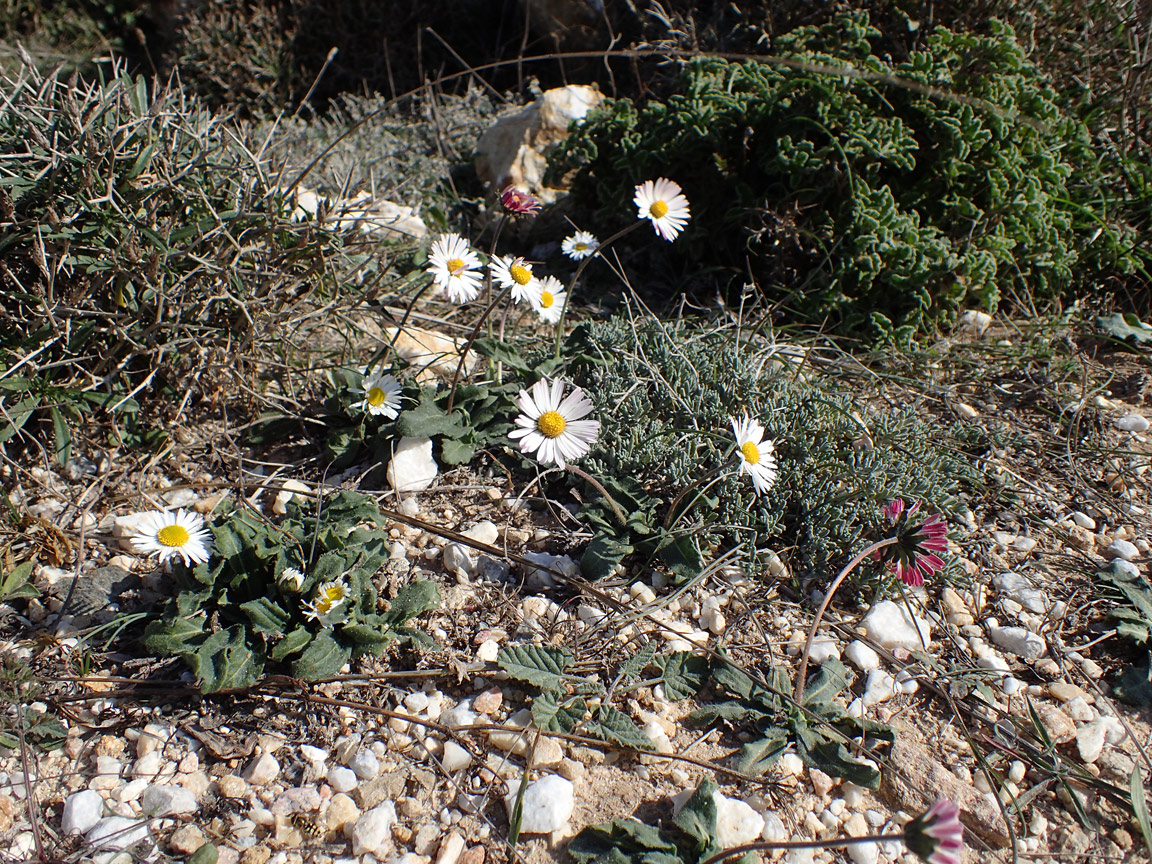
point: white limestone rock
(548, 804)
(373, 830)
(1016, 640)
(167, 801)
(891, 625)
(412, 468)
(82, 811)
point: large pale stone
(890, 626)
(412, 468)
(514, 150)
(548, 804)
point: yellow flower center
(174, 536)
(751, 454)
(520, 274)
(659, 209)
(329, 598)
(376, 397)
(581, 246)
(550, 424)
(455, 265)
(546, 301)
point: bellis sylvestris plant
(173, 534)
(756, 459)
(913, 557)
(514, 273)
(937, 836)
(580, 245)
(549, 300)
(454, 267)
(381, 395)
(662, 202)
(553, 425)
(520, 203)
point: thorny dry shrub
(149, 249)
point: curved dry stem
(798, 693)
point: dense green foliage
(863, 191)
(239, 610)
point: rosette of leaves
(877, 195)
(236, 612)
(479, 416)
(665, 393)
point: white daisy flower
(580, 245)
(169, 534)
(756, 459)
(552, 427)
(381, 395)
(291, 579)
(328, 598)
(662, 202)
(549, 300)
(514, 273)
(453, 267)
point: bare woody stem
(580, 472)
(798, 694)
(576, 277)
(767, 845)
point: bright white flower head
(453, 267)
(381, 395)
(662, 202)
(551, 426)
(514, 273)
(580, 245)
(756, 459)
(170, 534)
(328, 598)
(291, 579)
(548, 301)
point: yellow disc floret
(546, 300)
(551, 424)
(376, 397)
(751, 454)
(173, 535)
(520, 274)
(659, 209)
(455, 265)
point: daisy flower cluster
(457, 270)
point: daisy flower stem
(468, 345)
(798, 695)
(488, 284)
(576, 277)
(768, 845)
(580, 472)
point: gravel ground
(415, 757)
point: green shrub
(884, 196)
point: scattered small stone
(736, 822)
(821, 783)
(342, 779)
(547, 804)
(1121, 549)
(890, 626)
(262, 770)
(1132, 423)
(373, 830)
(451, 848)
(488, 702)
(455, 758)
(82, 810)
(186, 839)
(1090, 740)
(862, 656)
(116, 833)
(342, 813)
(412, 468)
(1058, 725)
(824, 648)
(231, 786)
(1016, 640)
(167, 801)
(365, 764)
